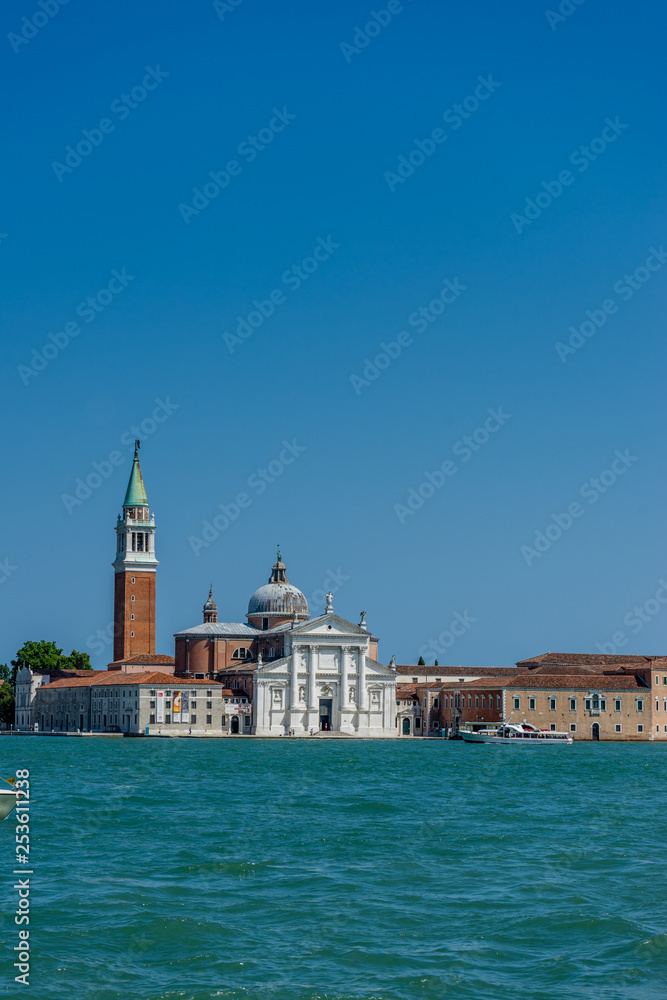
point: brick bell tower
(134, 568)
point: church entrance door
(325, 713)
(406, 727)
(235, 724)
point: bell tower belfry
(134, 568)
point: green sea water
(249, 869)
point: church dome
(278, 598)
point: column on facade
(260, 702)
(345, 677)
(294, 677)
(363, 693)
(313, 664)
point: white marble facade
(325, 680)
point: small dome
(278, 597)
(210, 604)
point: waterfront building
(28, 682)
(299, 673)
(147, 703)
(592, 697)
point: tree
(421, 662)
(45, 655)
(79, 661)
(6, 701)
(436, 664)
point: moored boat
(8, 798)
(516, 734)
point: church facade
(300, 674)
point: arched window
(241, 653)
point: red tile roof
(114, 678)
(588, 658)
(146, 659)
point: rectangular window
(552, 704)
(209, 720)
(132, 618)
(224, 721)
(134, 541)
(603, 704)
(209, 694)
(517, 704)
(573, 727)
(531, 704)
(167, 717)
(151, 704)
(436, 703)
(151, 717)
(193, 719)
(553, 727)
(640, 729)
(209, 704)
(587, 704)
(617, 704)
(247, 722)
(640, 704)
(664, 680)
(618, 727)
(573, 704)
(657, 704)
(418, 724)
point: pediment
(269, 667)
(329, 625)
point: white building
(300, 673)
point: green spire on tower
(136, 491)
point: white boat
(516, 734)
(8, 799)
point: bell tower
(134, 568)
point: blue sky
(336, 108)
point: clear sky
(351, 193)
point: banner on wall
(185, 706)
(176, 711)
(159, 712)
